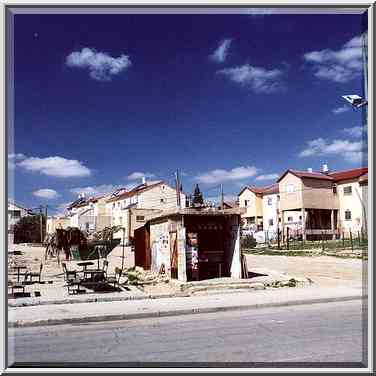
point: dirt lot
(322, 270)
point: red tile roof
(349, 174)
(270, 189)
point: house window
(270, 222)
(15, 213)
(278, 197)
(118, 204)
(347, 190)
(121, 220)
(113, 205)
(251, 220)
(270, 201)
(289, 219)
(140, 218)
(335, 189)
(300, 217)
(246, 203)
(348, 215)
(290, 188)
(163, 200)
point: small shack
(191, 244)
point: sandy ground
(322, 270)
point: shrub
(248, 241)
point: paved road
(329, 332)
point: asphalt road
(330, 332)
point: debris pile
(105, 234)
(139, 276)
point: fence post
(287, 239)
(351, 241)
(359, 238)
(343, 239)
(279, 239)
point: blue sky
(232, 99)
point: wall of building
(318, 194)
(54, 223)
(290, 200)
(160, 197)
(352, 202)
(232, 246)
(15, 213)
(270, 204)
(254, 204)
(160, 245)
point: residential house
(191, 244)
(329, 202)
(89, 214)
(309, 204)
(130, 209)
(15, 213)
(250, 198)
(352, 192)
(54, 223)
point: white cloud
(220, 175)
(340, 110)
(12, 157)
(16, 156)
(46, 193)
(258, 79)
(353, 152)
(101, 65)
(355, 131)
(341, 65)
(55, 166)
(267, 177)
(220, 54)
(139, 175)
(95, 190)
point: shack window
(289, 219)
(347, 190)
(348, 215)
(140, 218)
(270, 201)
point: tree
(198, 200)
(27, 229)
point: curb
(133, 316)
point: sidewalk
(134, 309)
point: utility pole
(45, 213)
(41, 223)
(222, 197)
(177, 179)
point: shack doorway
(174, 255)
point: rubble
(138, 276)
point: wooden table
(85, 264)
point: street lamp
(355, 100)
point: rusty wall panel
(142, 248)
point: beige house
(54, 223)
(130, 209)
(352, 192)
(89, 214)
(250, 199)
(309, 204)
(330, 202)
